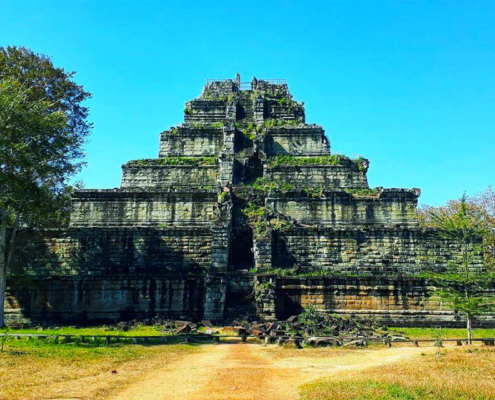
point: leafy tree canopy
(477, 218)
(43, 125)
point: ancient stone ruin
(245, 213)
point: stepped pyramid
(245, 212)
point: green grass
(73, 350)
(444, 333)
(140, 330)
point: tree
(43, 125)
(466, 282)
(483, 203)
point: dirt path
(248, 371)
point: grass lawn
(451, 374)
(444, 333)
(140, 330)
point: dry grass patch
(43, 369)
(451, 374)
(282, 352)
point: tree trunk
(3, 266)
(469, 329)
(3, 285)
(6, 252)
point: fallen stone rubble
(318, 330)
(314, 329)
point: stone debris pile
(312, 327)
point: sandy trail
(249, 371)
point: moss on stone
(272, 122)
(296, 161)
(374, 192)
(262, 220)
(186, 161)
(265, 185)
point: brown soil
(251, 371)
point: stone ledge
(83, 193)
(327, 194)
(356, 228)
(184, 130)
(186, 230)
(295, 130)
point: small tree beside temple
(465, 285)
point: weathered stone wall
(215, 89)
(271, 89)
(394, 302)
(293, 112)
(363, 251)
(143, 207)
(160, 176)
(86, 300)
(201, 111)
(84, 275)
(326, 176)
(240, 296)
(245, 107)
(390, 206)
(305, 140)
(111, 252)
(186, 141)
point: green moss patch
(363, 192)
(186, 161)
(334, 159)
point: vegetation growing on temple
(183, 161)
(273, 122)
(301, 161)
(263, 220)
(371, 192)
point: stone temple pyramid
(245, 212)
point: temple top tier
(259, 115)
(224, 87)
(259, 102)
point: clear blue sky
(408, 84)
